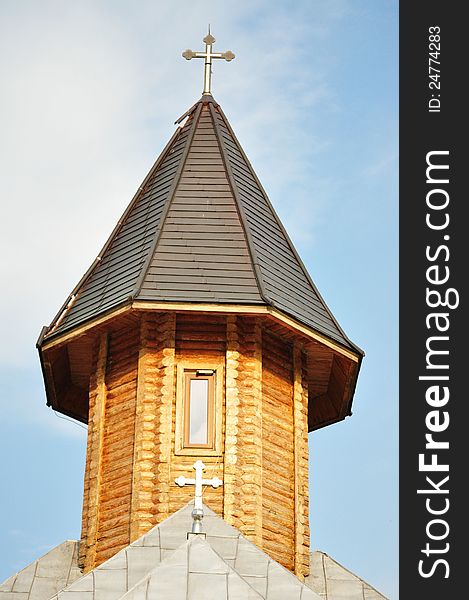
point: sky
(90, 93)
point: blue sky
(90, 94)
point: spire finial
(208, 55)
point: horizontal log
(119, 505)
(273, 453)
(276, 491)
(116, 464)
(116, 538)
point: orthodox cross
(199, 482)
(208, 55)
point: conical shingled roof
(200, 230)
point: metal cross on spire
(208, 55)
(199, 482)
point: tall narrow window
(199, 406)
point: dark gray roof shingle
(200, 229)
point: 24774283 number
(433, 58)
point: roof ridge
(205, 99)
(170, 198)
(285, 234)
(143, 558)
(348, 571)
(165, 247)
(79, 286)
(242, 216)
(182, 554)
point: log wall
(300, 421)
(91, 500)
(132, 458)
(278, 494)
(109, 466)
(200, 341)
(118, 443)
(243, 446)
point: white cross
(198, 482)
(208, 55)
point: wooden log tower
(198, 333)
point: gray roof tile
(192, 572)
(163, 564)
(44, 577)
(331, 581)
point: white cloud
(90, 93)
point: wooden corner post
(92, 485)
(300, 420)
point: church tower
(197, 333)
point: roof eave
(60, 337)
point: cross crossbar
(208, 55)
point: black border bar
(433, 259)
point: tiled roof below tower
(163, 564)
